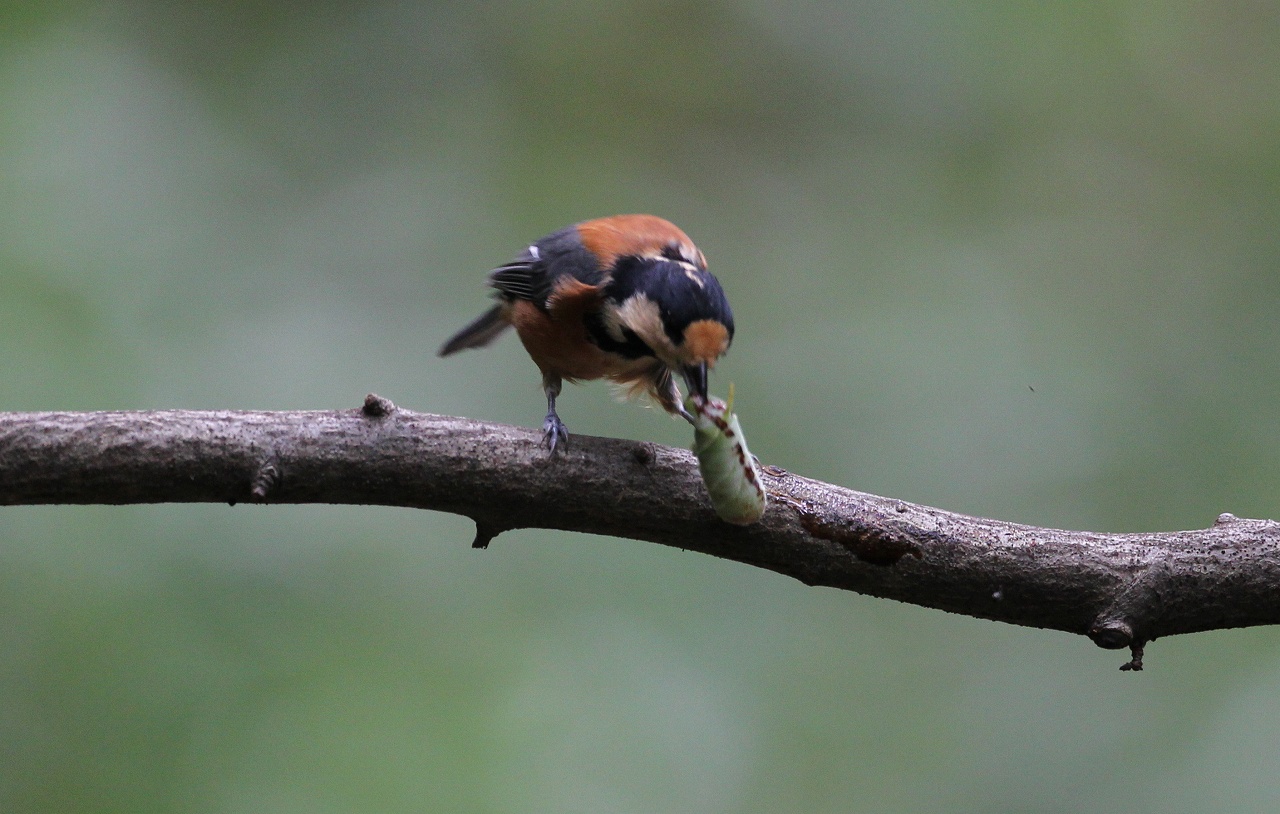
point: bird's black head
(674, 310)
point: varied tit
(626, 298)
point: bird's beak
(695, 376)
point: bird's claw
(554, 432)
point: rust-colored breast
(556, 338)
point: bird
(626, 298)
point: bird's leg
(553, 429)
(668, 394)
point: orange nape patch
(705, 340)
(630, 235)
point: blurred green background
(1016, 260)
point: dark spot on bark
(868, 545)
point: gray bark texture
(1120, 590)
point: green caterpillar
(728, 468)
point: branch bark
(1120, 590)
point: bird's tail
(478, 333)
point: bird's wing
(524, 278)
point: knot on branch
(1116, 634)
(642, 454)
(376, 406)
(1128, 620)
(1113, 634)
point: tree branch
(1120, 590)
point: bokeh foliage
(1012, 259)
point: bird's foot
(554, 432)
